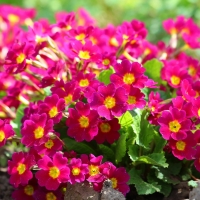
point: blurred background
(152, 12)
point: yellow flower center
(53, 112)
(113, 42)
(76, 171)
(13, 19)
(105, 127)
(84, 121)
(180, 145)
(174, 126)
(50, 196)
(129, 78)
(131, 100)
(54, 172)
(109, 102)
(29, 190)
(2, 135)
(20, 58)
(38, 132)
(114, 182)
(84, 82)
(49, 144)
(192, 71)
(21, 168)
(175, 80)
(93, 40)
(80, 36)
(173, 31)
(106, 61)
(68, 99)
(84, 55)
(93, 170)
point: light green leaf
(104, 76)
(120, 148)
(126, 119)
(133, 152)
(142, 187)
(193, 184)
(153, 68)
(79, 147)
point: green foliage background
(152, 12)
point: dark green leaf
(142, 187)
(120, 148)
(107, 152)
(79, 147)
(133, 152)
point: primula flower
(35, 130)
(174, 124)
(15, 60)
(53, 106)
(196, 107)
(6, 131)
(135, 99)
(197, 158)
(108, 131)
(128, 74)
(109, 101)
(82, 122)
(119, 178)
(19, 168)
(26, 192)
(77, 170)
(183, 148)
(53, 171)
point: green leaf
(142, 187)
(107, 152)
(79, 147)
(126, 119)
(133, 152)
(104, 76)
(16, 123)
(153, 68)
(154, 159)
(159, 143)
(144, 131)
(193, 184)
(120, 148)
(47, 90)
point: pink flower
(53, 171)
(174, 124)
(77, 170)
(109, 101)
(19, 168)
(82, 122)
(53, 106)
(108, 131)
(35, 130)
(6, 131)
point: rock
(195, 193)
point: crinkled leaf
(193, 184)
(104, 76)
(16, 123)
(133, 152)
(79, 147)
(107, 152)
(142, 187)
(120, 148)
(159, 143)
(153, 68)
(154, 159)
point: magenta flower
(6, 131)
(197, 158)
(77, 170)
(128, 74)
(184, 148)
(35, 130)
(53, 106)
(108, 131)
(52, 172)
(109, 101)
(174, 124)
(82, 122)
(19, 168)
